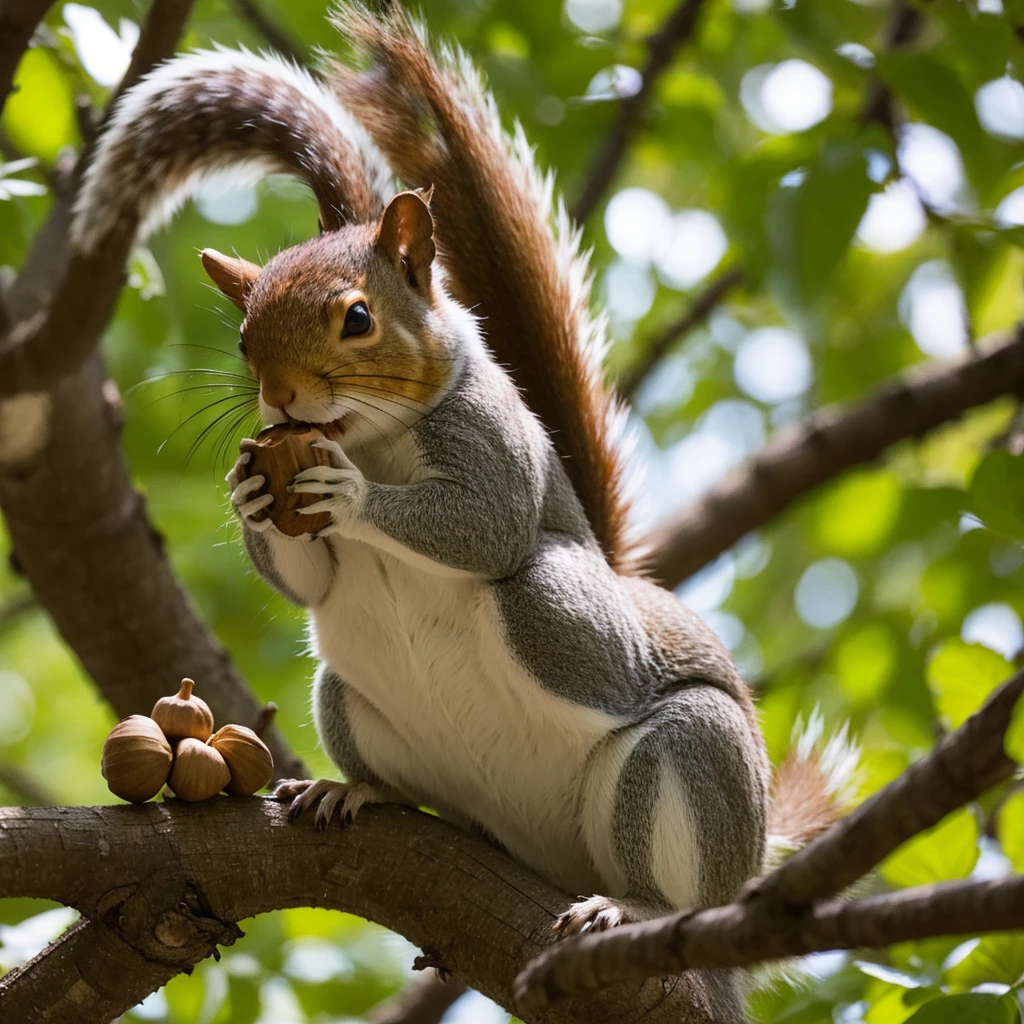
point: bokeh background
(867, 245)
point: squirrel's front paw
(327, 797)
(247, 497)
(342, 483)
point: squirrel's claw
(596, 914)
(331, 799)
(339, 460)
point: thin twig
(806, 455)
(273, 33)
(700, 309)
(13, 610)
(26, 787)
(424, 1000)
(676, 30)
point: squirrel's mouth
(333, 431)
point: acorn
(247, 757)
(199, 772)
(184, 715)
(279, 453)
(136, 759)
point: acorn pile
(177, 746)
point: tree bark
(162, 883)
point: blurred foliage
(891, 597)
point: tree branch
(678, 27)
(78, 526)
(730, 937)
(425, 1000)
(277, 38)
(700, 309)
(161, 884)
(24, 786)
(776, 916)
(18, 20)
(62, 301)
(828, 442)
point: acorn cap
(136, 759)
(184, 715)
(247, 757)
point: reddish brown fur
(497, 246)
(802, 807)
(292, 330)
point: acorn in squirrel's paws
(142, 753)
(278, 454)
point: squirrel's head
(345, 324)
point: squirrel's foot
(595, 914)
(328, 797)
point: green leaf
(950, 850)
(856, 516)
(997, 493)
(811, 225)
(865, 661)
(1010, 829)
(936, 92)
(975, 1008)
(997, 958)
(41, 86)
(961, 676)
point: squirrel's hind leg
(673, 812)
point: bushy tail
(511, 256)
(218, 109)
(812, 788)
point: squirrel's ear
(234, 277)
(406, 237)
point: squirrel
(487, 646)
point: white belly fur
(453, 721)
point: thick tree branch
(18, 20)
(700, 309)
(678, 27)
(77, 524)
(778, 916)
(97, 565)
(730, 937)
(162, 883)
(828, 442)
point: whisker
(188, 419)
(201, 387)
(205, 432)
(377, 408)
(370, 389)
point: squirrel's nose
(278, 394)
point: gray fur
(700, 734)
(480, 508)
(330, 697)
(261, 554)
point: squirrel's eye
(357, 320)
